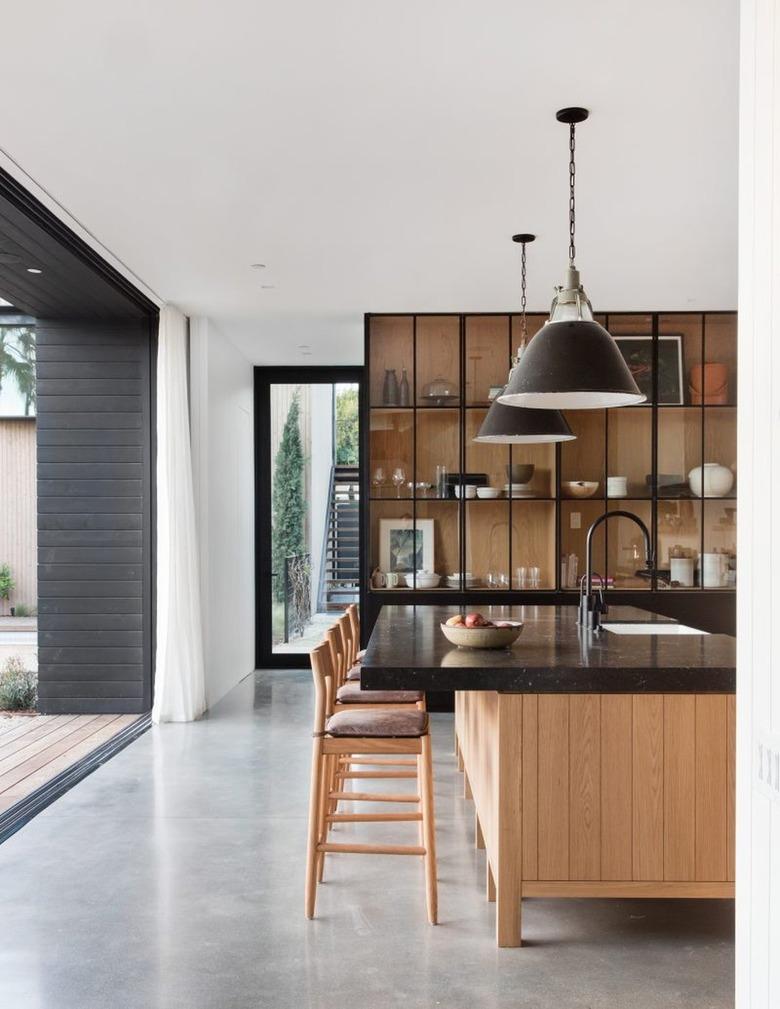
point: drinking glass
(522, 577)
(378, 480)
(441, 481)
(502, 581)
(399, 479)
(491, 580)
(534, 578)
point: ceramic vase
(404, 394)
(711, 480)
(390, 388)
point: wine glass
(399, 479)
(378, 480)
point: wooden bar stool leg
(314, 827)
(490, 884)
(327, 765)
(426, 793)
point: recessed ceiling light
(268, 287)
(304, 346)
(33, 269)
(258, 266)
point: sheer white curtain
(179, 688)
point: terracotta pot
(710, 383)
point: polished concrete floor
(172, 878)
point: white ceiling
(377, 156)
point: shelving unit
(654, 446)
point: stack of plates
(519, 490)
(453, 581)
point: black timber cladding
(95, 499)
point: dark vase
(390, 388)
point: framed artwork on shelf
(638, 354)
(404, 547)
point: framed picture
(404, 548)
(638, 353)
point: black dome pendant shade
(506, 425)
(572, 363)
(510, 425)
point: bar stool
(392, 731)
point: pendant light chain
(523, 328)
(572, 171)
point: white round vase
(711, 480)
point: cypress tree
(288, 501)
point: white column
(758, 534)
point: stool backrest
(337, 657)
(354, 622)
(322, 673)
(347, 644)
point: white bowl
(483, 637)
(427, 580)
(488, 493)
(469, 491)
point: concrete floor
(172, 878)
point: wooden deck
(36, 748)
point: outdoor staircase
(340, 577)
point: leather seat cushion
(354, 673)
(390, 723)
(350, 693)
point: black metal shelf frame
(558, 499)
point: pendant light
(506, 425)
(572, 363)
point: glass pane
(315, 510)
(679, 542)
(490, 460)
(394, 550)
(533, 545)
(442, 518)
(716, 382)
(679, 356)
(438, 360)
(630, 452)
(487, 544)
(720, 451)
(720, 544)
(438, 446)
(576, 518)
(634, 337)
(391, 351)
(582, 461)
(487, 356)
(391, 434)
(679, 449)
(626, 546)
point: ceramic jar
(711, 480)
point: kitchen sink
(651, 629)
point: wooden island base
(599, 795)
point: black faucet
(593, 606)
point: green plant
(17, 359)
(18, 686)
(23, 610)
(289, 506)
(6, 582)
(347, 426)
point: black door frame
(265, 377)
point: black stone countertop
(553, 655)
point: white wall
(758, 534)
(222, 410)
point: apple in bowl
(473, 630)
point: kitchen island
(600, 764)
